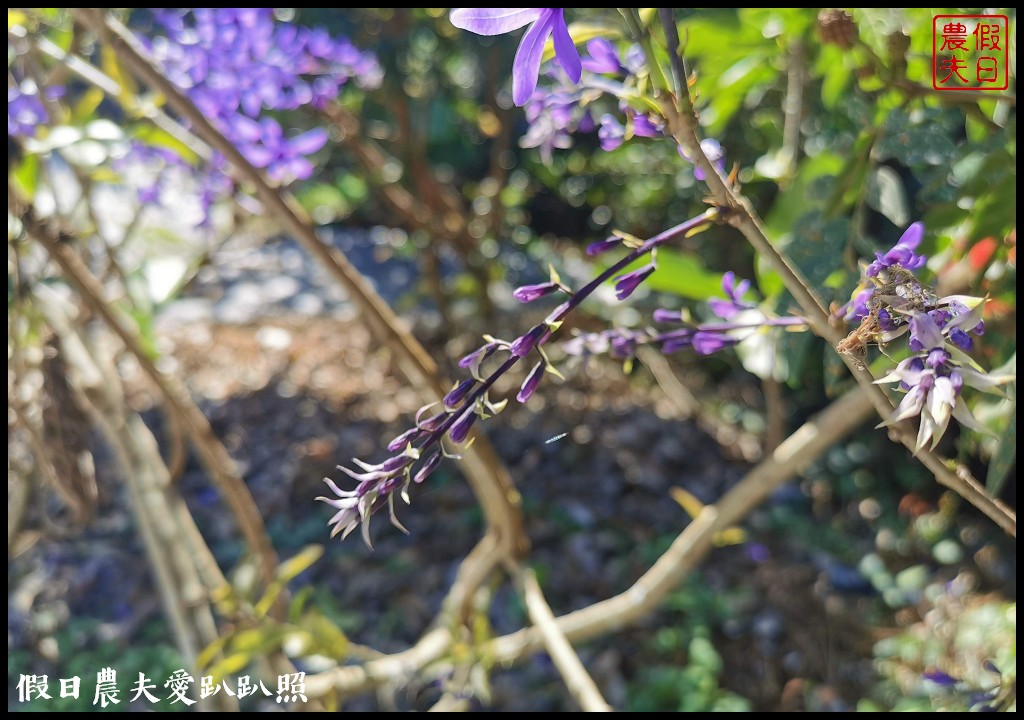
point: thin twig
(682, 122)
(693, 544)
(799, 450)
(487, 476)
(211, 451)
(578, 681)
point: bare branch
(488, 478)
(690, 546)
(581, 686)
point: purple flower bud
(612, 132)
(432, 423)
(522, 346)
(428, 467)
(455, 397)
(603, 246)
(626, 284)
(623, 345)
(531, 382)
(961, 339)
(478, 356)
(459, 430)
(396, 463)
(529, 293)
(706, 343)
(886, 321)
(643, 126)
(956, 379)
(603, 58)
(404, 439)
(936, 358)
(661, 315)
(940, 678)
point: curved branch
(488, 478)
(689, 548)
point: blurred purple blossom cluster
(236, 64)
(25, 109)
(736, 320)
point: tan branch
(690, 546)
(578, 681)
(682, 122)
(211, 452)
(488, 478)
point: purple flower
(428, 467)
(459, 430)
(626, 284)
(643, 126)
(902, 252)
(404, 439)
(531, 382)
(602, 58)
(707, 343)
(526, 66)
(603, 246)
(473, 361)
(715, 153)
(612, 132)
(284, 158)
(529, 293)
(940, 678)
(662, 315)
(25, 111)
(734, 304)
(522, 346)
(457, 394)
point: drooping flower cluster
(419, 450)
(236, 64)
(941, 331)
(742, 319)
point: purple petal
(531, 383)
(565, 49)
(428, 467)
(493, 21)
(529, 293)
(603, 57)
(603, 246)
(459, 430)
(526, 66)
(309, 142)
(626, 284)
(644, 127)
(661, 315)
(912, 236)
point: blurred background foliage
(834, 131)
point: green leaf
(26, 176)
(684, 275)
(153, 136)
